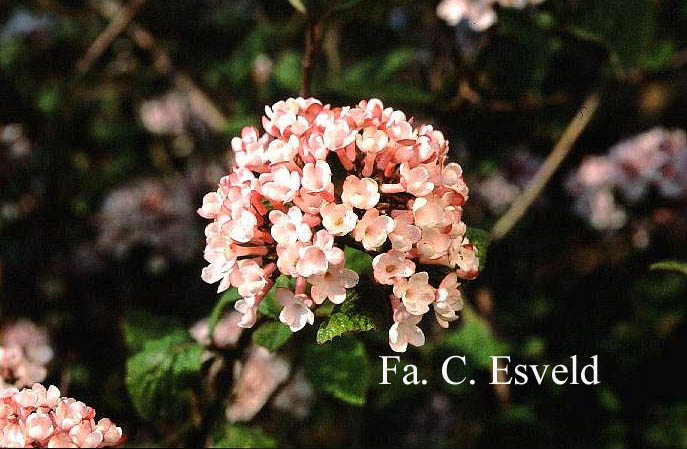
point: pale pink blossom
(433, 244)
(448, 301)
(338, 135)
(288, 257)
(296, 311)
(390, 266)
(405, 331)
(280, 184)
(372, 230)
(248, 308)
(282, 151)
(226, 333)
(339, 219)
(429, 212)
(360, 193)
(37, 417)
(405, 233)
(248, 278)
(332, 284)
(416, 180)
(316, 177)
(289, 227)
(416, 293)
(315, 259)
(254, 382)
(463, 256)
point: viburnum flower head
(321, 178)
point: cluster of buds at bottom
(320, 178)
(39, 417)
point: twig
(118, 23)
(206, 108)
(313, 37)
(548, 168)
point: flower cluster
(656, 159)
(39, 417)
(25, 351)
(479, 14)
(281, 210)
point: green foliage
(141, 326)
(229, 297)
(625, 27)
(287, 71)
(349, 317)
(234, 435)
(668, 428)
(358, 261)
(480, 239)
(670, 265)
(158, 378)
(340, 369)
(272, 335)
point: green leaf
(269, 305)
(244, 436)
(158, 378)
(670, 265)
(229, 297)
(474, 339)
(480, 239)
(340, 369)
(298, 5)
(626, 27)
(272, 335)
(358, 261)
(141, 326)
(348, 318)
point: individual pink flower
(391, 266)
(241, 227)
(332, 284)
(296, 311)
(416, 293)
(434, 244)
(288, 257)
(448, 301)
(282, 150)
(416, 180)
(360, 193)
(316, 177)
(373, 229)
(249, 312)
(315, 259)
(405, 233)
(338, 135)
(289, 227)
(226, 333)
(429, 212)
(248, 278)
(463, 256)
(212, 204)
(255, 380)
(339, 219)
(280, 184)
(405, 331)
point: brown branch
(118, 23)
(522, 203)
(313, 38)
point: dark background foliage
(553, 287)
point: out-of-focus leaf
(340, 369)
(474, 339)
(229, 297)
(158, 377)
(298, 5)
(272, 335)
(670, 265)
(348, 318)
(287, 71)
(243, 436)
(667, 428)
(480, 239)
(626, 27)
(141, 326)
(358, 261)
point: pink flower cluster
(25, 351)
(39, 417)
(283, 210)
(656, 159)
